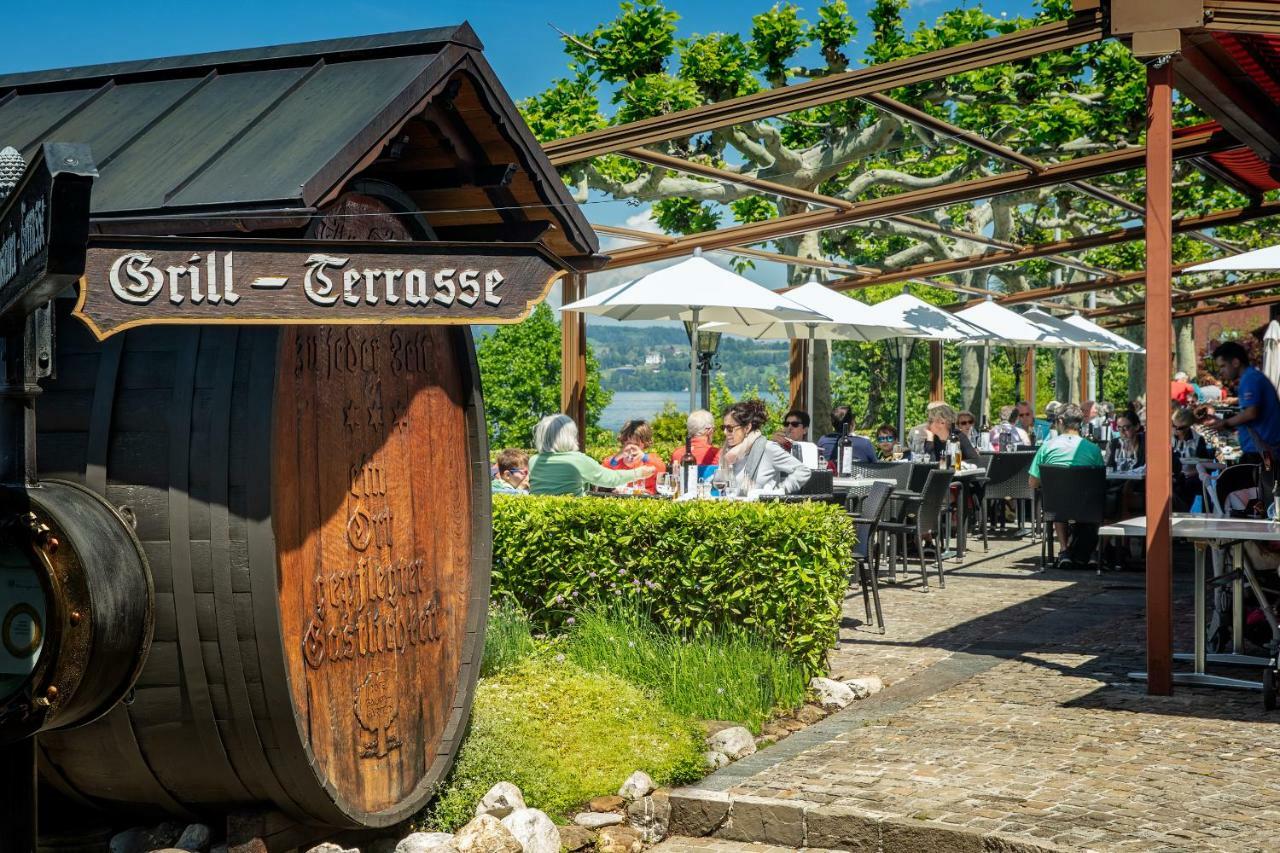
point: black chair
(1234, 479)
(865, 553)
(1070, 494)
(929, 507)
(819, 483)
(1008, 479)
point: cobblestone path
(1009, 724)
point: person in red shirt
(636, 437)
(1181, 391)
(699, 427)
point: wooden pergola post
(573, 353)
(936, 389)
(798, 376)
(1159, 311)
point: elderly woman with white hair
(560, 468)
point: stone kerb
(697, 812)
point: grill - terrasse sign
(135, 281)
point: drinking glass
(720, 480)
(666, 487)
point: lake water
(628, 405)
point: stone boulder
(597, 820)
(867, 685)
(502, 799)
(534, 830)
(609, 803)
(330, 847)
(195, 838)
(638, 785)
(619, 839)
(715, 760)
(426, 842)
(650, 816)
(486, 834)
(832, 695)
(574, 837)
(735, 742)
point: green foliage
(508, 638)
(695, 567)
(563, 735)
(727, 674)
(685, 215)
(520, 372)
(776, 36)
(636, 44)
(719, 65)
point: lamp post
(702, 354)
(900, 349)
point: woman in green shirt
(559, 468)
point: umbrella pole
(808, 385)
(693, 364)
(902, 393)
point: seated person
(940, 427)
(1024, 418)
(1189, 447)
(512, 476)
(1069, 449)
(636, 437)
(795, 427)
(698, 429)
(755, 462)
(560, 468)
(967, 425)
(886, 439)
(863, 449)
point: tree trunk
(1066, 376)
(971, 380)
(1137, 365)
(1185, 347)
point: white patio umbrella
(1259, 259)
(922, 321)
(1271, 353)
(1121, 344)
(1012, 329)
(848, 320)
(697, 291)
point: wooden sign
(138, 281)
(44, 225)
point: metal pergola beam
(1191, 145)
(1208, 76)
(1083, 28)
(1270, 299)
(1242, 16)
(1217, 292)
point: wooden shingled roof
(261, 139)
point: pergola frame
(1174, 39)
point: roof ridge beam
(1083, 28)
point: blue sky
(518, 35)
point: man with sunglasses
(795, 427)
(1024, 423)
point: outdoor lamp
(901, 348)
(707, 346)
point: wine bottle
(844, 452)
(688, 469)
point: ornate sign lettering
(156, 280)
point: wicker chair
(1008, 478)
(866, 553)
(927, 524)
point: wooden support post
(1084, 377)
(799, 377)
(1029, 377)
(1159, 311)
(936, 389)
(573, 353)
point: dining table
(1206, 532)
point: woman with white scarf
(753, 460)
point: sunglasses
(730, 427)
(792, 423)
(965, 423)
(885, 437)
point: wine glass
(720, 479)
(666, 487)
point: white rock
(534, 830)
(486, 834)
(651, 816)
(426, 842)
(735, 742)
(502, 799)
(330, 847)
(715, 760)
(194, 838)
(831, 694)
(867, 685)
(596, 820)
(638, 785)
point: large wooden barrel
(314, 504)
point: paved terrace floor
(1009, 724)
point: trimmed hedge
(694, 566)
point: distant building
(653, 359)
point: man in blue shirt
(863, 449)
(1259, 417)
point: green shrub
(781, 569)
(508, 638)
(563, 735)
(730, 673)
